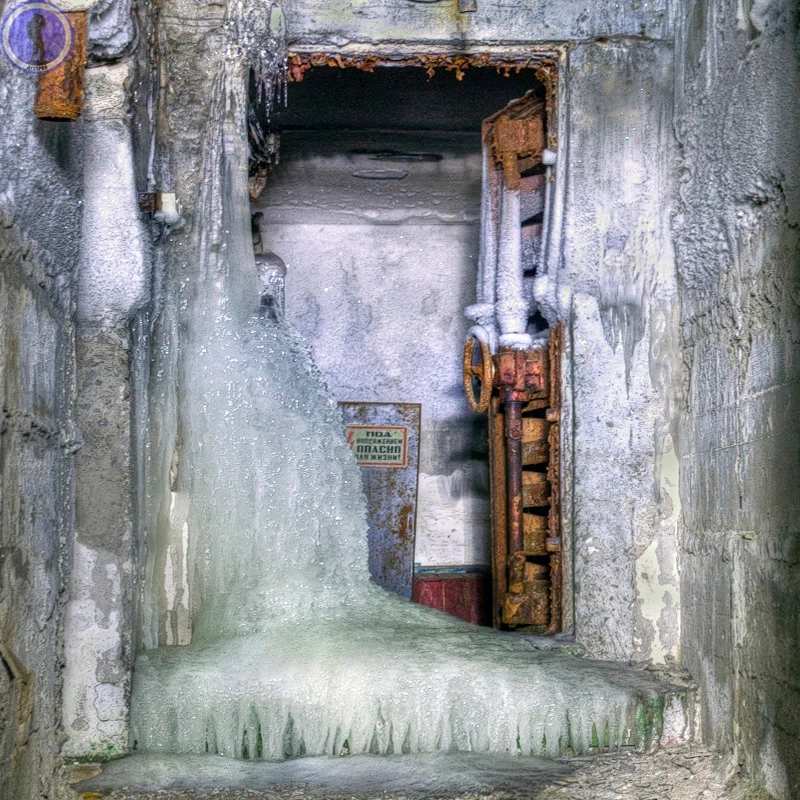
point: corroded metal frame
(545, 62)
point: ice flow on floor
(294, 650)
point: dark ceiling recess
(399, 98)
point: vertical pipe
(483, 312)
(487, 260)
(513, 415)
(512, 307)
(499, 510)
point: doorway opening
(369, 184)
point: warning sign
(379, 446)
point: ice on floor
(295, 651)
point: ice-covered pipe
(511, 307)
(483, 312)
(114, 275)
(487, 259)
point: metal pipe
(513, 419)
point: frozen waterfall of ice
(294, 651)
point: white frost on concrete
(610, 277)
(294, 650)
(114, 271)
(657, 576)
(450, 510)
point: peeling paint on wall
(657, 582)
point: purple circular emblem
(36, 36)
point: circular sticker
(36, 36)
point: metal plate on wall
(385, 440)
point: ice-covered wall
(610, 277)
(379, 273)
(113, 282)
(62, 188)
(737, 90)
(40, 174)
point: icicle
(294, 650)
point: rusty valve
(483, 372)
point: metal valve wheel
(482, 372)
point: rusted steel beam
(534, 527)
(556, 583)
(523, 373)
(515, 139)
(554, 541)
(497, 482)
(535, 448)
(513, 417)
(59, 92)
(535, 489)
(299, 63)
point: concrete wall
(67, 200)
(737, 119)
(113, 283)
(383, 25)
(379, 273)
(40, 172)
(610, 276)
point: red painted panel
(464, 595)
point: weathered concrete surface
(613, 281)
(45, 233)
(40, 172)
(113, 284)
(379, 273)
(98, 623)
(674, 773)
(739, 261)
(372, 25)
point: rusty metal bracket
(299, 63)
(59, 92)
(524, 459)
(515, 139)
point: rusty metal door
(385, 440)
(515, 378)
